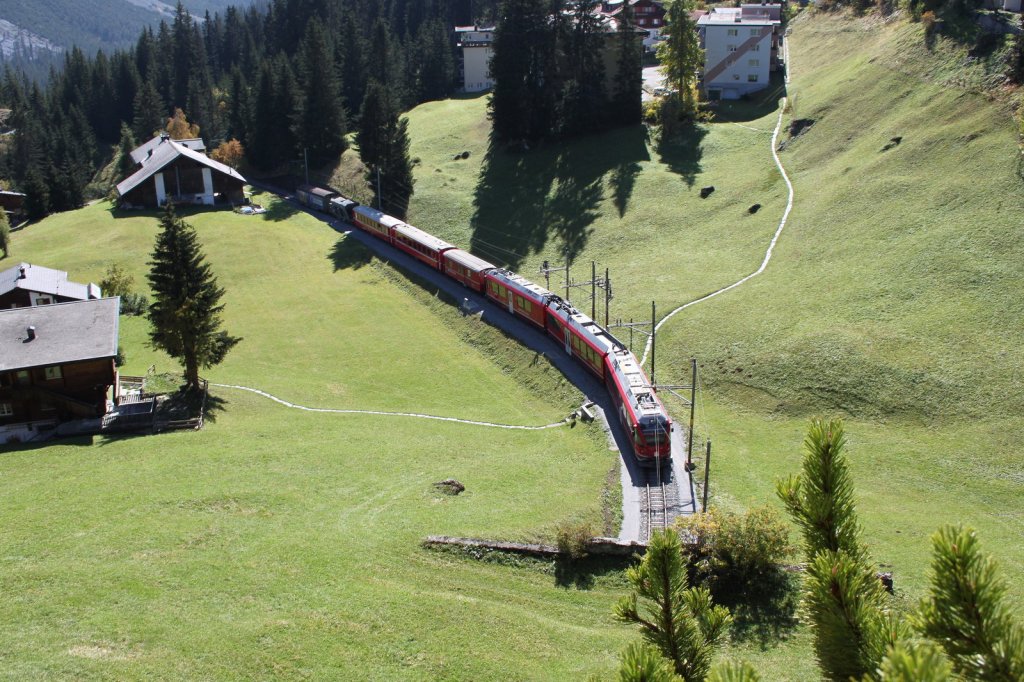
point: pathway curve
(389, 414)
(775, 237)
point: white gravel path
(389, 414)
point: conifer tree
(732, 671)
(5, 233)
(149, 116)
(125, 165)
(641, 662)
(677, 619)
(186, 309)
(321, 124)
(844, 598)
(914, 662)
(628, 95)
(967, 613)
(383, 140)
(680, 53)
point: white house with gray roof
(26, 285)
(741, 49)
(173, 170)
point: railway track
(660, 503)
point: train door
(568, 340)
(511, 308)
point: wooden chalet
(177, 170)
(27, 285)
(56, 365)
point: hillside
(893, 298)
(90, 24)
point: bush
(134, 304)
(573, 538)
(117, 282)
(742, 548)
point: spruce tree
(5, 233)
(681, 53)
(677, 619)
(383, 140)
(149, 112)
(321, 124)
(628, 95)
(125, 165)
(186, 309)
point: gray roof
(164, 153)
(141, 154)
(45, 281)
(65, 333)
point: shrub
(117, 282)
(134, 304)
(929, 22)
(741, 547)
(573, 538)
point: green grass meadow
(280, 543)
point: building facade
(173, 170)
(56, 364)
(27, 285)
(476, 48)
(741, 49)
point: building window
(732, 48)
(6, 409)
(756, 48)
(44, 300)
(22, 377)
(52, 372)
(755, 31)
(733, 32)
(735, 76)
(752, 78)
(754, 62)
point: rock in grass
(705, 192)
(754, 209)
(449, 486)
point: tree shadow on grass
(682, 152)
(763, 611)
(581, 573)
(523, 199)
(279, 210)
(349, 254)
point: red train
(641, 412)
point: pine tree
(680, 52)
(186, 309)
(321, 124)
(967, 612)
(732, 671)
(914, 662)
(641, 662)
(149, 112)
(435, 67)
(844, 598)
(37, 194)
(584, 102)
(677, 619)
(383, 140)
(5, 233)
(125, 164)
(627, 99)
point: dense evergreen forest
(288, 78)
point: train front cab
(647, 423)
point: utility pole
(546, 269)
(654, 342)
(691, 402)
(380, 199)
(607, 295)
(707, 475)
(305, 161)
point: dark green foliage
(149, 112)
(383, 140)
(845, 602)
(679, 620)
(915, 662)
(321, 125)
(680, 53)
(5, 234)
(434, 64)
(820, 499)
(1015, 69)
(743, 549)
(186, 308)
(125, 165)
(573, 538)
(627, 98)
(732, 671)
(117, 282)
(37, 195)
(967, 612)
(641, 662)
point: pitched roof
(65, 332)
(141, 154)
(164, 153)
(45, 281)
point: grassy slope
(892, 300)
(278, 542)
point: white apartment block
(741, 49)
(476, 57)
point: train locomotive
(641, 412)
